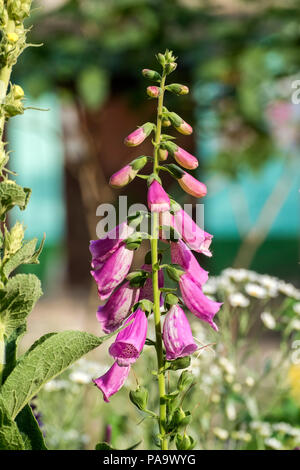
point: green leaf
(17, 299)
(27, 254)
(11, 195)
(11, 350)
(22, 256)
(134, 446)
(10, 437)
(103, 446)
(51, 356)
(30, 430)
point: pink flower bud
(178, 89)
(130, 341)
(158, 200)
(111, 382)
(122, 177)
(184, 158)
(117, 308)
(192, 186)
(153, 91)
(151, 74)
(162, 154)
(177, 334)
(139, 135)
(179, 124)
(184, 128)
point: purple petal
(117, 308)
(113, 271)
(182, 255)
(177, 334)
(104, 247)
(196, 238)
(111, 382)
(200, 305)
(130, 341)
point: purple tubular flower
(196, 238)
(139, 135)
(158, 200)
(103, 248)
(130, 341)
(146, 291)
(113, 271)
(182, 255)
(200, 305)
(177, 334)
(117, 308)
(111, 382)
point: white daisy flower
(56, 385)
(256, 290)
(238, 299)
(249, 381)
(295, 324)
(227, 366)
(268, 320)
(80, 377)
(230, 411)
(273, 443)
(289, 290)
(296, 308)
(221, 434)
(241, 436)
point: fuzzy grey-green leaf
(11, 194)
(22, 256)
(44, 362)
(17, 299)
(10, 437)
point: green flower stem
(156, 291)
(5, 74)
(2, 354)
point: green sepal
(174, 170)
(139, 398)
(170, 299)
(137, 278)
(185, 380)
(134, 241)
(180, 363)
(146, 305)
(174, 272)
(139, 163)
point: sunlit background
(239, 58)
